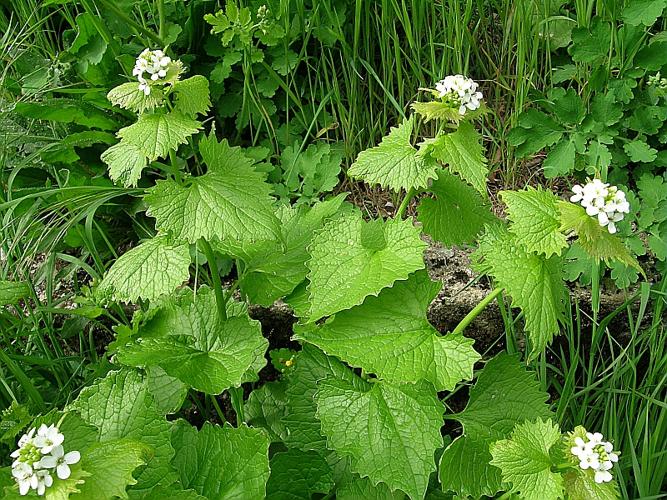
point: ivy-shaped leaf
(343, 271)
(390, 336)
(153, 268)
(525, 462)
(593, 238)
(535, 220)
(504, 395)
(456, 213)
(121, 406)
(222, 462)
(231, 201)
(190, 342)
(158, 133)
(192, 96)
(128, 96)
(389, 432)
(462, 152)
(125, 162)
(395, 163)
(533, 281)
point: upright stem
(160, 11)
(476, 310)
(215, 276)
(131, 22)
(403, 207)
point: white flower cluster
(461, 91)
(600, 199)
(595, 454)
(38, 456)
(153, 62)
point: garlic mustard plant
(603, 201)
(595, 454)
(460, 91)
(40, 453)
(153, 67)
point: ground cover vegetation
(176, 171)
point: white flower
(580, 448)
(153, 63)
(603, 476)
(589, 461)
(48, 437)
(603, 201)
(461, 91)
(61, 461)
(25, 439)
(43, 481)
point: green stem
(215, 276)
(218, 410)
(131, 22)
(236, 397)
(160, 11)
(476, 310)
(403, 207)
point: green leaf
(125, 162)
(13, 291)
(266, 408)
(168, 392)
(640, 151)
(533, 281)
(110, 465)
(439, 110)
(274, 269)
(534, 132)
(158, 133)
(525, 462)
(559, 160)
(395, 163)
(606, 110)
(390, 336)
(535, 220)
(172, 492)
(310, 366)
(230, 202)
(504, 395)
(343, 272)
(462, 152)
(593, 238)
(363, 488)
(389, 432)
(190, 342)
(591, 44)
(66, 111)
(120, 406)
(456, 213)
(192, 96)
(153, 268)
(128, 96)
(222, 462)
(644, 12)
(580, 485)
(297, 474)
(567, 105)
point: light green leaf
(158, 133)
(120, 406)
(172, 492)
(222, 462)
(297, 474)
(462, 152)
(128, 96)
(560, 159)
(125, 162)
(439, 110)
(153, 268)
(13, 291)
(230, 202)
(310, 366)
(644, 12)
(504, 395)
(456, 214)
(274, 269)
(192, 96)
(343, 272)
(535, 220)
(110, 465)
(389, 432)
(390, 336)
(395, 163)
(363, 488)
(190, 342)
(525, 462)
(593, 238)
(533, 281)
(168, 392)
